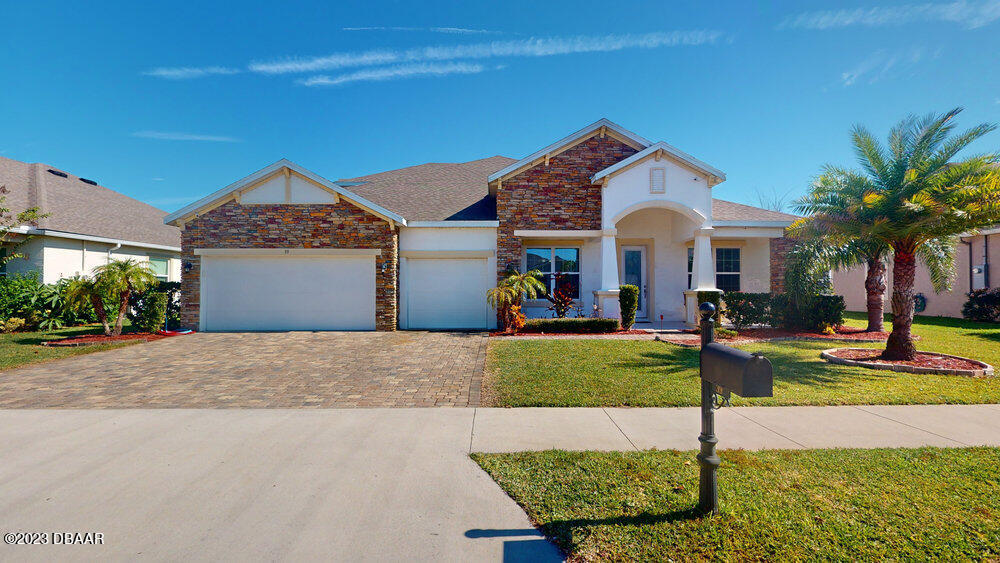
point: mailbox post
(723, 370)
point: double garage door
(335, 292)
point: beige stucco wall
(851, 283)
(58, 258)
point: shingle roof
(435, 191)
(75, 206)
(723, 210)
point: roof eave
(651, 150)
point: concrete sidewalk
(359, 484)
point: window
(552, 261)
(727, 269)
(657, 180)
(160, 267)
(3, 262)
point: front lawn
(22, 348)
(895, 504)
(639, 373)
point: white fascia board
(23, 230)
(781, 224)
(529, 233)
(453, 224)
(267, 171)
(671, 150)
(300, 252)
(747, 232)
(566, 140)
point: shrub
(150, 312)
(983, 305)
(628, 301)
(15, 292)
(173, 292)
(825, 311)
(725, 333)
(588, 325)
(810, 312)
(713, 297)
(13, 324)
(747, 309)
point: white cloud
(456, 30)
(533, 47)
(970, 14)
(168, 136)
(881, 64)
(158, 179)
(187, 72)
(395, 73)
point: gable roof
(79, 207)
(570, 139)
(727, 211)
(669, 150)
(228, 192)
(437, 191)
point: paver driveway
(238, 370)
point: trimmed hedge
(715, 298)
(778, 310)
(746, 309)
(588, 325)
(983, 305)
(150, 316)
(628, 301)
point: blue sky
(167, 103)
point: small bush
(628, 301)
(826, 311)
(173, 291)
(814, 312)
(713, 297)
(13, 324)
(150, 312)
(15, 293)
(746, 309)
(983, 305)
(725, 333)
(587, 325)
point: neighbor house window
(551, 261)
(657, 180)
(727, 269)
(161, 267)
(3, 262)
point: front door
(634, 273)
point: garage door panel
(288, 293)
(446, 293)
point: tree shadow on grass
(36, 338)
(991, 335)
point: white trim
(748, 232)
(528, 233)
(688, 212)
(454, 224)
(23, 230)
(776, 224)
(446, 254)
(651, 150)
(566, 140)
(325, 252)
(227, 191)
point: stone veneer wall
(779, 252)
(340, 225)
(554, 197)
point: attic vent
(86, 181)
(657, 180)
(58, 173)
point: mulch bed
(615, 333)
(925, 362)
(92, 339)
(748, 335)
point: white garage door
(446, 293)
(288, 293)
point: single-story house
(86, 225)
(976, 253)
(418, 247)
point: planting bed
(925, 362)
(92, 339)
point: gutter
(25, 230)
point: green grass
(22, 348)
(897, 504)
(638, 373)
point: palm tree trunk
(121, 312)
(102, 315)
(875, 288)
(900, 344)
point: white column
(703, 269)
(607, 297)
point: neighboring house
(87, 225)
(976, 254)
(417, 248)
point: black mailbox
(747, 375)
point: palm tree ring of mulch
(924, 362)
(92, 339)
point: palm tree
(122, 278)
(528, 284)
(912, 198)
(81, 291)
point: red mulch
(615, 333)
(923, 359)
(91, 339)
(842, 333)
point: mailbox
(747, 375)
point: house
(976, 253)
(417, 248)
(86, 225)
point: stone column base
(607, 301)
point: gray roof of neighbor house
(458, 192)
(80, 207)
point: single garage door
(288, 292)
(446, 293)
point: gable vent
(86, 181)
(58, 173)
(657, 180)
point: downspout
(968, 244)
(119, 245)
(986, 261)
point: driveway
(263, 370)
